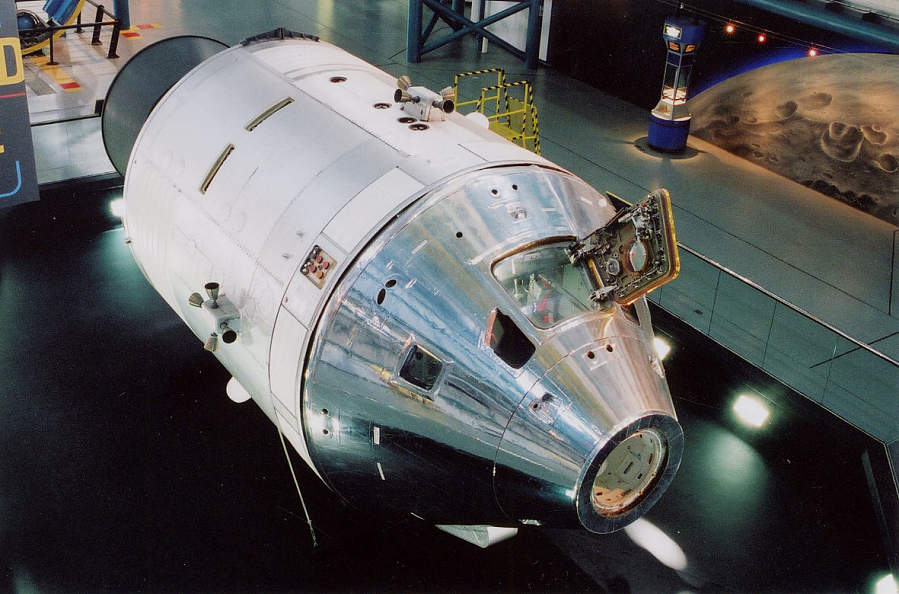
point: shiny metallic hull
(383, 281)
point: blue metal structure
(122, 12)
(452, 12)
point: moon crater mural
(828, 122)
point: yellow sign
(18, 74)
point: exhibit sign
(18, 176)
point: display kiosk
(669, 121)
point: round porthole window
(637, 256)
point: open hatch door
(634, 253)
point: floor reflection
(124, 466)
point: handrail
(65, 120)
(863, 345)
(79, 27)
(500, 79)
(619, 202)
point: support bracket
(452, 12)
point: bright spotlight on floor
(662, 348)
(647, 535)
(751, 410)
(886, 585)
(117, 207)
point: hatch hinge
(633, 253)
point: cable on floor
(297, 483)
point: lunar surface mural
(829, 122)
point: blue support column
(453, 14)
(413, 35)
(122, 12)
(532, 44)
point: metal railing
(115, 23)
(499, 73)
(849, 377)
(53, 30)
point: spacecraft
(442, 324)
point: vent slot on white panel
(215, 168)
(269, 113)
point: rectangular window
(544, 284)
(421, 368)
(507, 340)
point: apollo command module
(441, 323)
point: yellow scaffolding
(500, 80)
(509, 107)
(512, 117)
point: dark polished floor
(124, 467)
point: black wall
(616, 45)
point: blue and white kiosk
(669, 121)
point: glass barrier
(849, 378)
